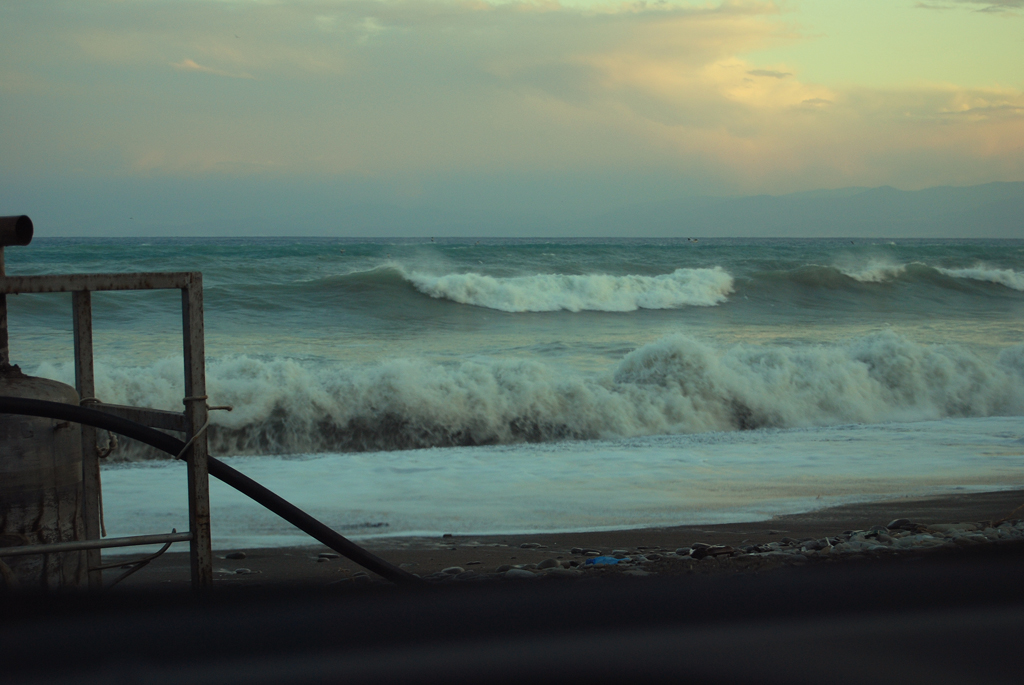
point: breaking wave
(675, 385)
(880, 271)
(1008, 277)
(594, 292)
(874, 271)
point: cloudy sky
(165, 107)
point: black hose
(218, 469)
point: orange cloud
(190, 65)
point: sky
(298, 113)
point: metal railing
(139, 422)
(191, 421)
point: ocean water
(400, 387)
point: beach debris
(905, 537)
(532, 545)
(242, 571)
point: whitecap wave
(875, 271)
(675, 385)
(1008, 277)
(574, 293)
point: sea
(417, 387)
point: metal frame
(191, 421)
(132, 541)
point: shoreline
(317, 565)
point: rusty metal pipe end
(15, 230)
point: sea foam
(672, 386)
(595, 292)
(882, 271)
(1008, 277)
(874, 271)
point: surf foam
(881, 271)
(596, 292)
(1008, 277)
(875, 271)
(672, 386)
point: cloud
(769, 73)
(190, 65)
(994, 6)
(416, 89)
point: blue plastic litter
(596, 561)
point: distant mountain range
(268, 207)
(992, 210)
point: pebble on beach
(519, 574)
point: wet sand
(423, 556)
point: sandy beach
(939, 616)
(315, 565)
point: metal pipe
(15, 230)
(132, 541)
(218, 469)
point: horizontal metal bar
(132, 541)
(63, 283)
(154, 418)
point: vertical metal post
(201, 551)
(85, 383)
(5, 351)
